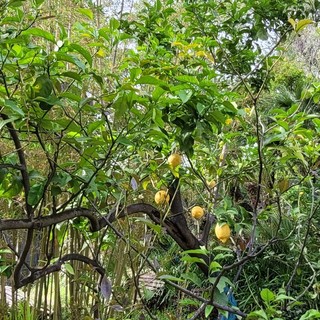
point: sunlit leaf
(293, 23)
(4, 122)
(208, 310)
(86, 12)
(257, 315)
(39, 33)
(310, 315)
(169, 277)
(152, 81)
(302, 24)
(267, 295)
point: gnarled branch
(35, 275)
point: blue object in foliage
(232, 301)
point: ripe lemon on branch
(223, 232)
(197, 212)
(211, 184)
(161, 197)
(174, 160)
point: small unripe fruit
(161, 197)
(223, 232)
(197, 212)
(174, 160)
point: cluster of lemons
(222, 230)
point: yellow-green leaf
(293, 23)
(86, 12)
(302, 24)
(39, 33)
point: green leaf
(282, 297)
(154, 227)
(2, 251)
(134, 73)
(220, 248)
(158, 5)
(185, 95)
(71, 96)
(218, 116)
(214, 266)
(310, 314)
(157, 93)
(267, 295)
(61, 178)
(95, 125)
(86, 12)
(69, 268)
(192, 259)
(317, 124)
(220, 297)
(39, 33)
(35, 194)
(13, 107)
(208, 311)
(71, 59)
(170, 278)
(55, 190)
(257, 315)
(121, 106)
(223, 282)
(203, 251)
(6, 270)
(15, 3)
(230, 106)
(188, 302)
(97, 78)
(125, 141)
(152, 81)
(72, 75)
(188, 79)
(114, 24)
(193, 278)
(39, 3)
(157, 117)
(4, 122)
(85, 53)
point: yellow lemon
(197, 212)
(174, 160)
(228, 121)
(211, 184)
(247, 110)
(223, 232)
(161, 197)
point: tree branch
(57, 267)
(23, 163)
(46, 221)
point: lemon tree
(100, 116)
